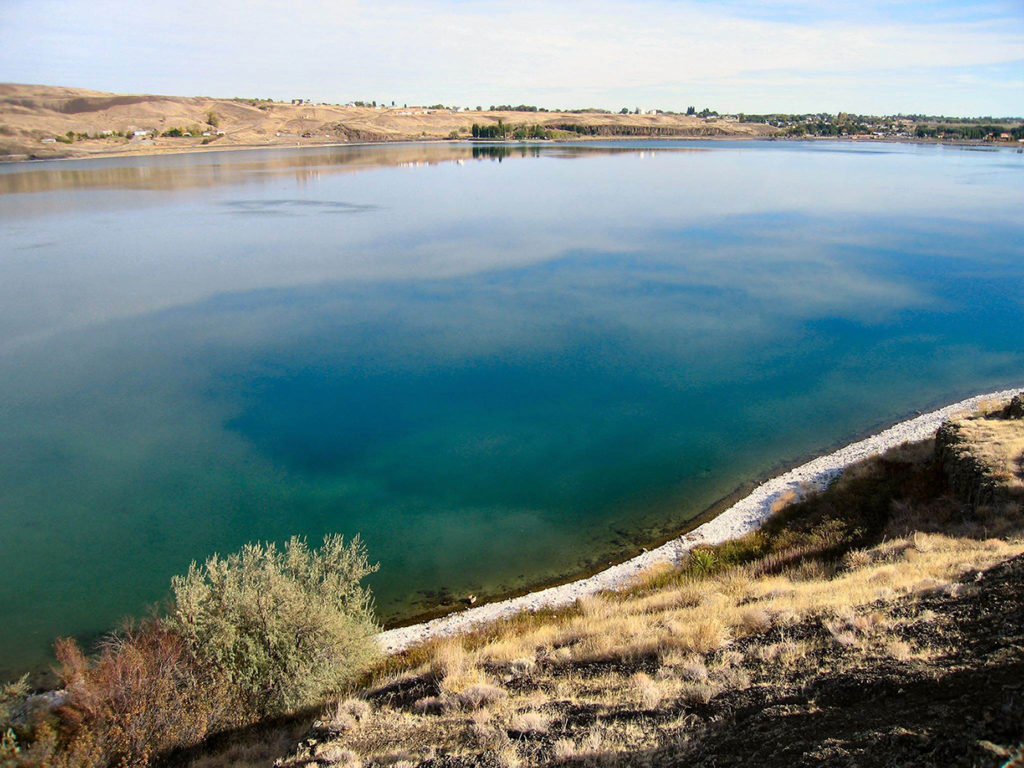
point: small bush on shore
(283, 626)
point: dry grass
(999, 445)
(688, 643)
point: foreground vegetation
(254, 635)
(876, 622)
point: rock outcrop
(983, 456)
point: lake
(500, 365)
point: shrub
(703, 560)
(285, 626)
(143, 694)
(13, 699)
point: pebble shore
(739, 519)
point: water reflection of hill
(212, 169)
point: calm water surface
(499, 366)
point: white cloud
(572, 52)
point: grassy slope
(29, 113)
(871, 624)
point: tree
(624, 111)
(691, 110)
(212, 119)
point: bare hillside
(38, 121)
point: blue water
(500, 366)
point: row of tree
(502, 130)
(977, 131)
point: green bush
(284, 626)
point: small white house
(140, 133)
(49, 140)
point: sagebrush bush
(285, 627)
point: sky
(951, 57)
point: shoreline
(18, 160)
(742, 517)
(170, 152)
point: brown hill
(39, 121)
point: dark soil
(961, 707)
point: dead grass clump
(565, 749)
(448, 660)
(731, 678)
(454, 669)
(480, 695)
(735, 583)
(841, 632)
(704, 634)
(531, 722)
(730, 659)
(898, 649)
(487, 735)
(698, 693)
(784, 654)
(857, 558)
(587, 749)
(687, 666)
(349, 711)
(648, 692)
(754, 620)
(338, 757)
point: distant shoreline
(742, 517)
(396, 142)
(174, 151)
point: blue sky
(874, 56)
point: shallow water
(500, 366)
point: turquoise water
(500, 366)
